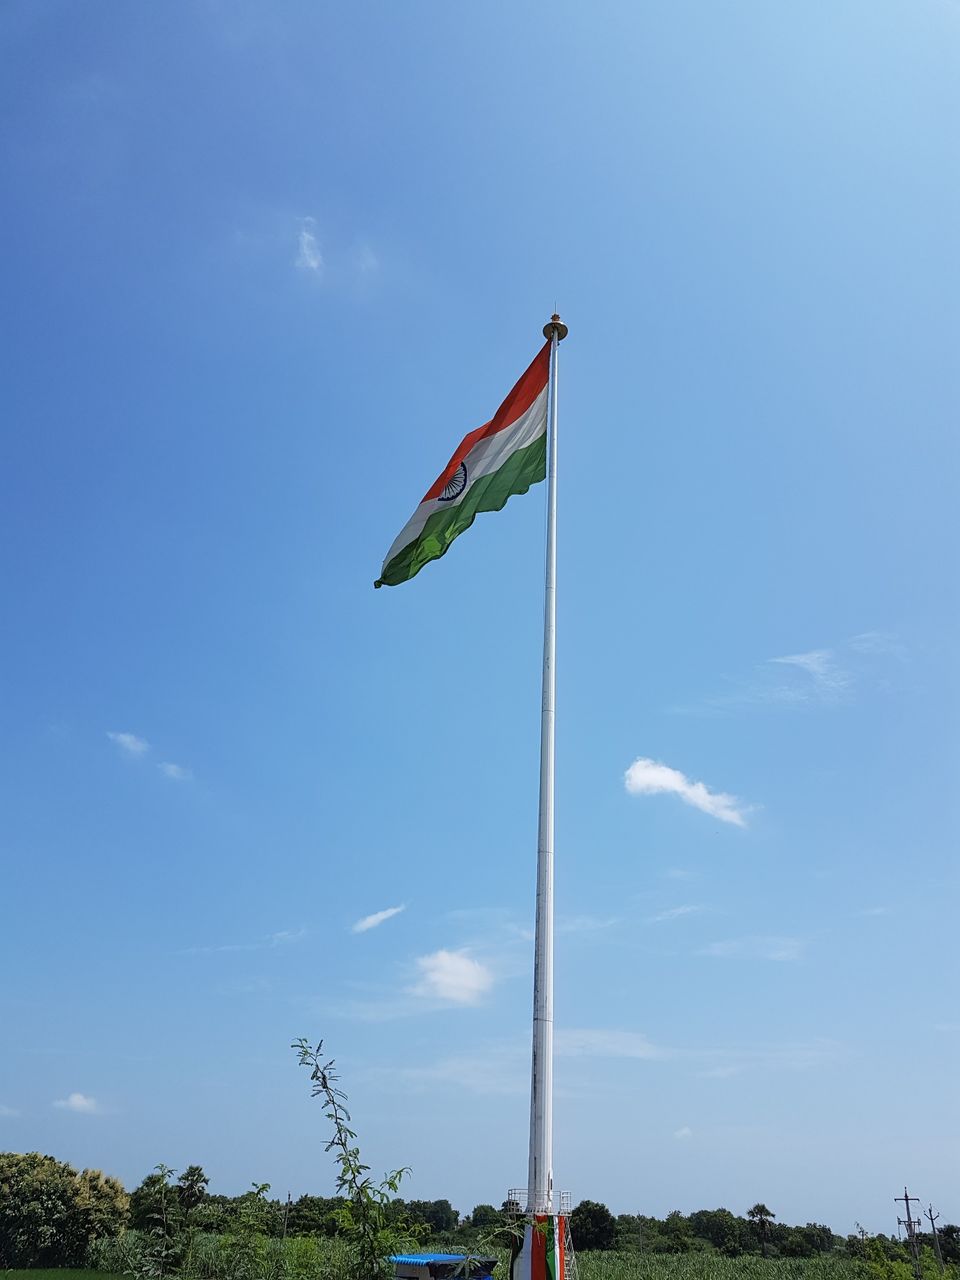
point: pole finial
(555, 326)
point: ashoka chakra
(455, 485)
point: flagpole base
(543, 1253)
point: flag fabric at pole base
(542, 1255)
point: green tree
(761, 1216)
(592, 1226)
(313, 1216)
(151, 1200)
(676, 1233)
(192, 1187)
(950, 1242)
(485, 1217)
(49, 1213)
(438, 1216)
(720, 1228)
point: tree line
(757, 1231)
(50, 1215)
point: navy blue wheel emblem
(455, 485)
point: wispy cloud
(504, 1067)
(880, 643)
(8, 1113)
(828, 679)
(572, 1042)
(675, 913)
(500, 1071)
(176, 772)
(708, 1063)
(683, 1133)
(79, 1102)
(378, 917)
(129, 742)
(753, 948)
(367, 261)
(282, 938)
(823, 677)
(874, 911)
(309, 257)
(583, 924)
(649, 777)
(454, 977)
(723, 1064)
(679, 873)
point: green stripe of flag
(523, 468)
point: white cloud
(767, 948)
(874, 911)
(129, 742)
(683, 1133)
(649, 777)
(452, 976)
(175, 771)
(679, 873)
(309, 257)
(378, 917)
(78, 1102)
(8, 1112)
(583, 1043)
(674, 913)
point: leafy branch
(372, 1232)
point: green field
(710, 1266)
(611, 1266)
(60, 1273)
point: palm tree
(192, 1187)
(761, 1215)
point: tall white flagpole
(540, 1171)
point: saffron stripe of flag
(502, 458)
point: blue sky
(265, 265)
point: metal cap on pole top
(555, 325)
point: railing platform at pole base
(546, 1250)
(518, 1196)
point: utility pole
(933, 1231)
(912, 1224)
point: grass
(59, 1273)
(711, 1266)
(592, 1266)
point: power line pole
(933, 1231)
(912, 1224)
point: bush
(49, 1213)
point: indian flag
(503, 457)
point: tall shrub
(49, 1213)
